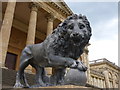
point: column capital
(50, 17)
(33, 6)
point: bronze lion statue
(60, 50)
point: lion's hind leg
(20, 77)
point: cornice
(65, 5)
(107, 63)
(49, 9)
(67, 13)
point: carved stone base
(64, 87)
(73, 87)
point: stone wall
(9, 77)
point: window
(10, 61)
(110, 75)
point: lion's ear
(70, 17)
(80, 15)
(84, 18)
(64, 23)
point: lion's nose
(75, 34)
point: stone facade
(26, 23)
(104, 74)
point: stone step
(63, 87)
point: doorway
(10, 61)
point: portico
(27, 23)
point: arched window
(110, 75)
(116, 80)
(116, 77)
(110, 79)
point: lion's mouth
(77, 40)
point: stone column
(101, 83)
(107, 82)
(119, 80)
(94, 81)
(50, 19)
(104, 83)
(97, 81)
(32, 28)
(32, 24)
(85, 60)
(114, 83)
(6, 30)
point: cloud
(95, 11)
(104, 43)
(104, 49)
(105, 29)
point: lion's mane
(62, 44)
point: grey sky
(103, 17)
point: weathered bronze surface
(60, 50)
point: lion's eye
(70, 26)
(81, 26)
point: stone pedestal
(69, 87)
(63, 87)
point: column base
(29, 69)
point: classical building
(104, 74)
(101, 73)
(25, 23)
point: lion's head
(75, 32)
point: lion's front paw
(81, 66)
(74, 65)
(71, 63)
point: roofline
(66, 6)
(104, 61)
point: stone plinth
(69, 87)
(63, 87)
